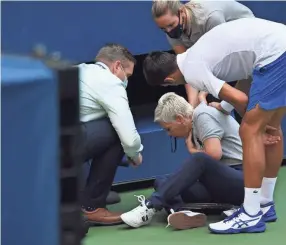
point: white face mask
(125, 81)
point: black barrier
(72, 224)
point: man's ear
(115, 68)
(169, 81)
(117, 64)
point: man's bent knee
(246, 130)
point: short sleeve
(215, 18)
(208, 127)
(201, 78)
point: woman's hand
(217, 105)
(189, 143)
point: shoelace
(172, 211)
(232, 210)
(234, 216)
(142, 200)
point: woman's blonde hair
(170, 105)
(160, 7)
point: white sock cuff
(252, 190)
(269, 180)
(251, 202)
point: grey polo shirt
(208, 123)
(205, 15)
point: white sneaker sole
(181, 221)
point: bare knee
(247, 130)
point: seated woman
(211, 174)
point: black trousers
(100, 144)
(200, 179)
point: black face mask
(177, 31)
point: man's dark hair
(112, 52)
(157, 66)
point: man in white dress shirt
(108, 129)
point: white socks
(253, 197)
(267, 190)
(251, 202)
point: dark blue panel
(157, 158)
(79, 29)
(29, 174)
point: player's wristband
(226, 106)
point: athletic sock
(267, 190)
(252, 200)
(149, 204)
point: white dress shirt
(102, 94)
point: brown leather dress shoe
(102, 216)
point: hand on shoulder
(217, 105)
(203, 97)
